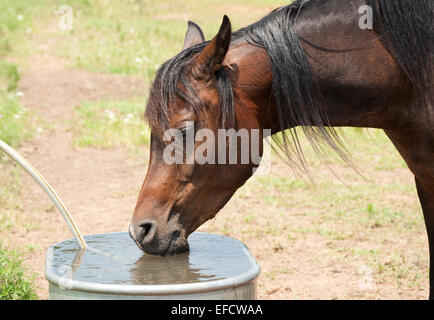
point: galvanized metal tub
(217, 267)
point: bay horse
(309, 64)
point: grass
(15, 126)
(15, 22)
(15, 282)
(10, 204)
(135, 37)
(13, 119)
(9, 76)
(18, 20)
(12, 23)
(110, 123)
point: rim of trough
(167, 289)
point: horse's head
(192, 172)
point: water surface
(115, 259)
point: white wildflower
(110, 114)
(128, 117)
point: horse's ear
(193, 36)
(212, 56)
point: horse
(315, 65)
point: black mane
(408, 29)
(295, 94)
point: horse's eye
(186, 130)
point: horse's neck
(252, 74)
(360, 83)
(359, 87)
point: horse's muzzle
(146, 236)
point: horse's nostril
(146, 228)
(146, 231)
(176, 234)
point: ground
(347, 236)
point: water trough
(217, 267)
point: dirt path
(98, 186)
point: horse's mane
(295, 95)
(407, 30)
(406, 24)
